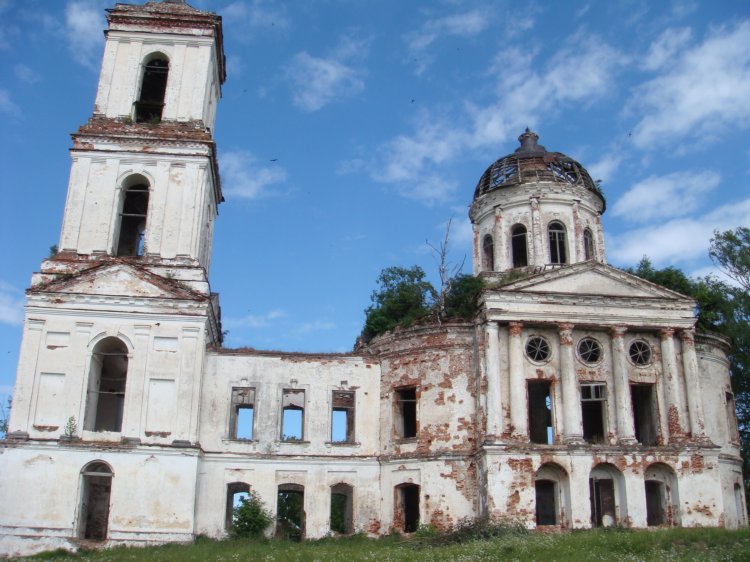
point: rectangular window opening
(342, 417)
(593, 411)
(731, 414)
(644, 418)
(540, 412)
(293, 415)
(242, 414)
(406, 412)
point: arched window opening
(341, 509)
(290, 512)
(662, 502)
(106, 390)
(518, 245)
(236, 492)
(488, 253)
(557, 253)
(96, 491)
(406, 515)
(552, 495)
(150, 104)
(606, 495)
(588, 244)
(133, 218)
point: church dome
(531, 162)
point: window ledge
(343, 443)
(295, 442)
(404, 439)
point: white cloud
(6, 103)
(523, 96)
(467, 24)
(319, 81)
(605, 168)
(679, 240)
(84, 22)
(315, 326)
(702, 91)
(663, 50)
(243, 175)
(258, 14)
(672, 195)
(11, 305)
(26, 74)
(254, 320)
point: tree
(461, 299)
(250, 518)
(4, 417)
(402, 297)
(730, 251)
(448, 273)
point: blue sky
(350, 132)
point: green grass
(608, 545)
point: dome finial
(528, 140)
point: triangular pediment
(591, 278)
(120, 280)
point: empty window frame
(94, 514)
(644, 413)
(293, 415)
(546, 502)
(540, 412)
(236, 492)
(602, 498)
(242, 415)
(593, 411)
(106, 390)
(488, 253)
(132, 228)
(406, 412)
(290, 512)
(588, 244)
(557, 250)
(150, 104)
(342, 416)
(406, 516)
(518, 246)
(656, 503)
(341, 520)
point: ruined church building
(580, 396)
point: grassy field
(608, 545)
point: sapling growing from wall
(250, 518)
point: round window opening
(640, 353)
(589, 350)
(537, 348)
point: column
(518, 408)
(670, 375)
(623, 401)
(576, 245)
(477, 251)
(571, 398)
(692, 384)
(538, 253)
(492, 372)
(501, 247)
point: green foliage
(338, 513)
(71, 427)
(4, 417)
(250, 518)
(702, 544)
(710, 294)
(53, 251)
(403, 296)
(461, 299)
(290, 514)
(730, 251)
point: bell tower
(117, 321)
(144, 181)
